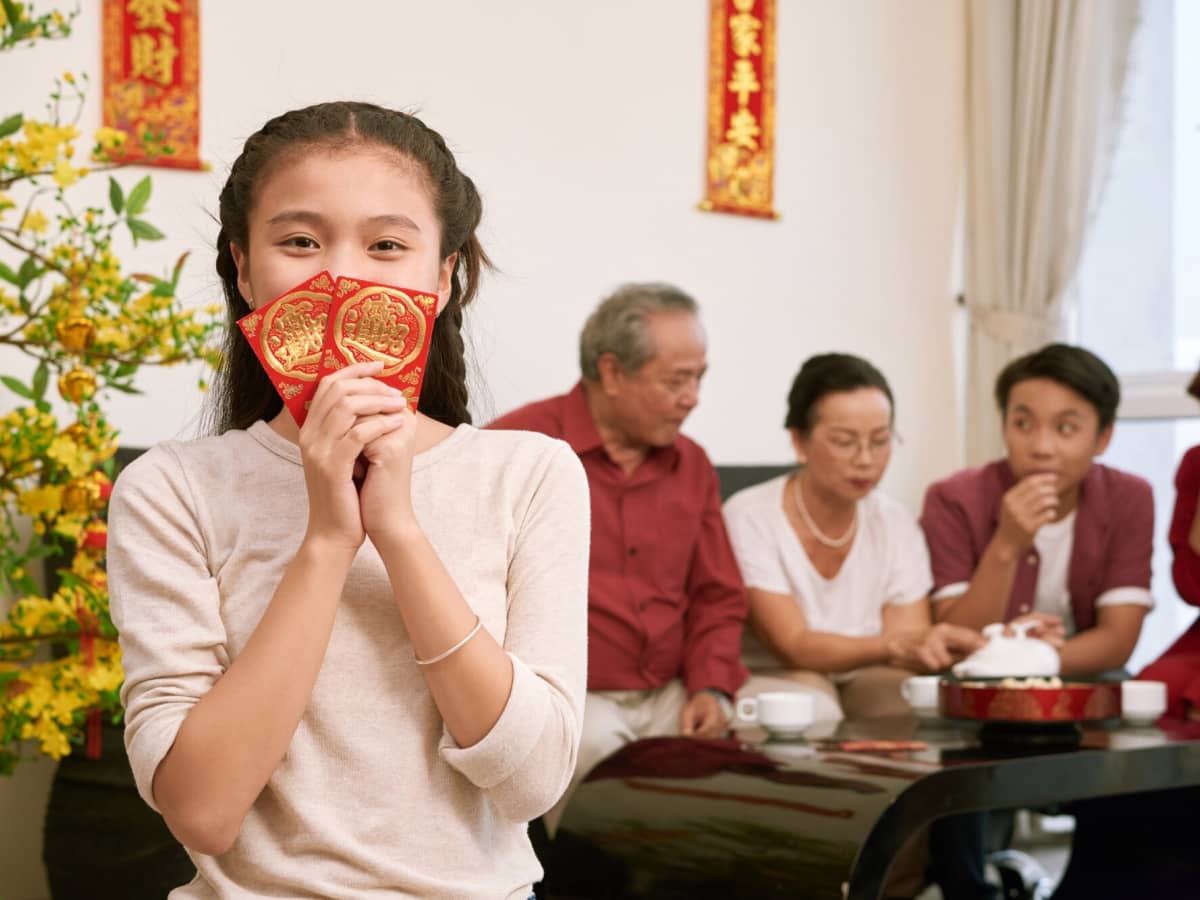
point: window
(1137, 293)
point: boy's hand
(1028, 505)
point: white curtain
(1044, 93)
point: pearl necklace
(822, 538)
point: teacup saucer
(776, 733)
(1141, 720)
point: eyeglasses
(848, 447)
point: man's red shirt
(665, 597)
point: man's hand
(1028, 505)
(933, 649)
(702, 717)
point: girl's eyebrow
(308, 217)
(396, 220)
(296, 216)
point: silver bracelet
(435, 659)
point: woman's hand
(933, 649)
(385, 496)
(349, 411)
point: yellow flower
(63, 451)
(35, 220)
(50, 737)
(40, 501)
(64, 174)
(69, 77)
(6, 203)
(110, 138)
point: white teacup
(1143, 701)
(782, 713)
(921, 692)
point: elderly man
(666, 602)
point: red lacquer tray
(985, 701)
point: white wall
(584, 125)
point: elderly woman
(837, 573)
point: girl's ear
(242, 261)
(445, 281)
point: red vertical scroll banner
(152, 80)
(740, 170)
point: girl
(837, 573)
(354, 651)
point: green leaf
(40, 551)
(28, 272)
(163, 289)
(43, 406)
(178, 270)
(12, 124)
(116, 197)
(41, 378)
(125, 369)
(141, 229)
(17, 387)
(138, 198)
(123, 388)
(9, 275)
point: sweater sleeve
(525, 762)
(165, 605)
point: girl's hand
(386, 493)
(349, 410)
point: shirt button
(633, 551)
(1024, 607)
(1031, 559)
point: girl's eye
(387, 246)
(1066, 429)
(304, 243)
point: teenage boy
(1047, 533)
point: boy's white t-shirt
(888, 563)
(1054, 543)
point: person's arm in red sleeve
(969, 589)
(1110, 641)
(1185, 528)
(716, 614)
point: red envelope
(287, 335)
(380, 322)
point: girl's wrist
(402, 532)
(319, 550)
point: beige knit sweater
(374, 798)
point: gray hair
(618, 326)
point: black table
(749, 817)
